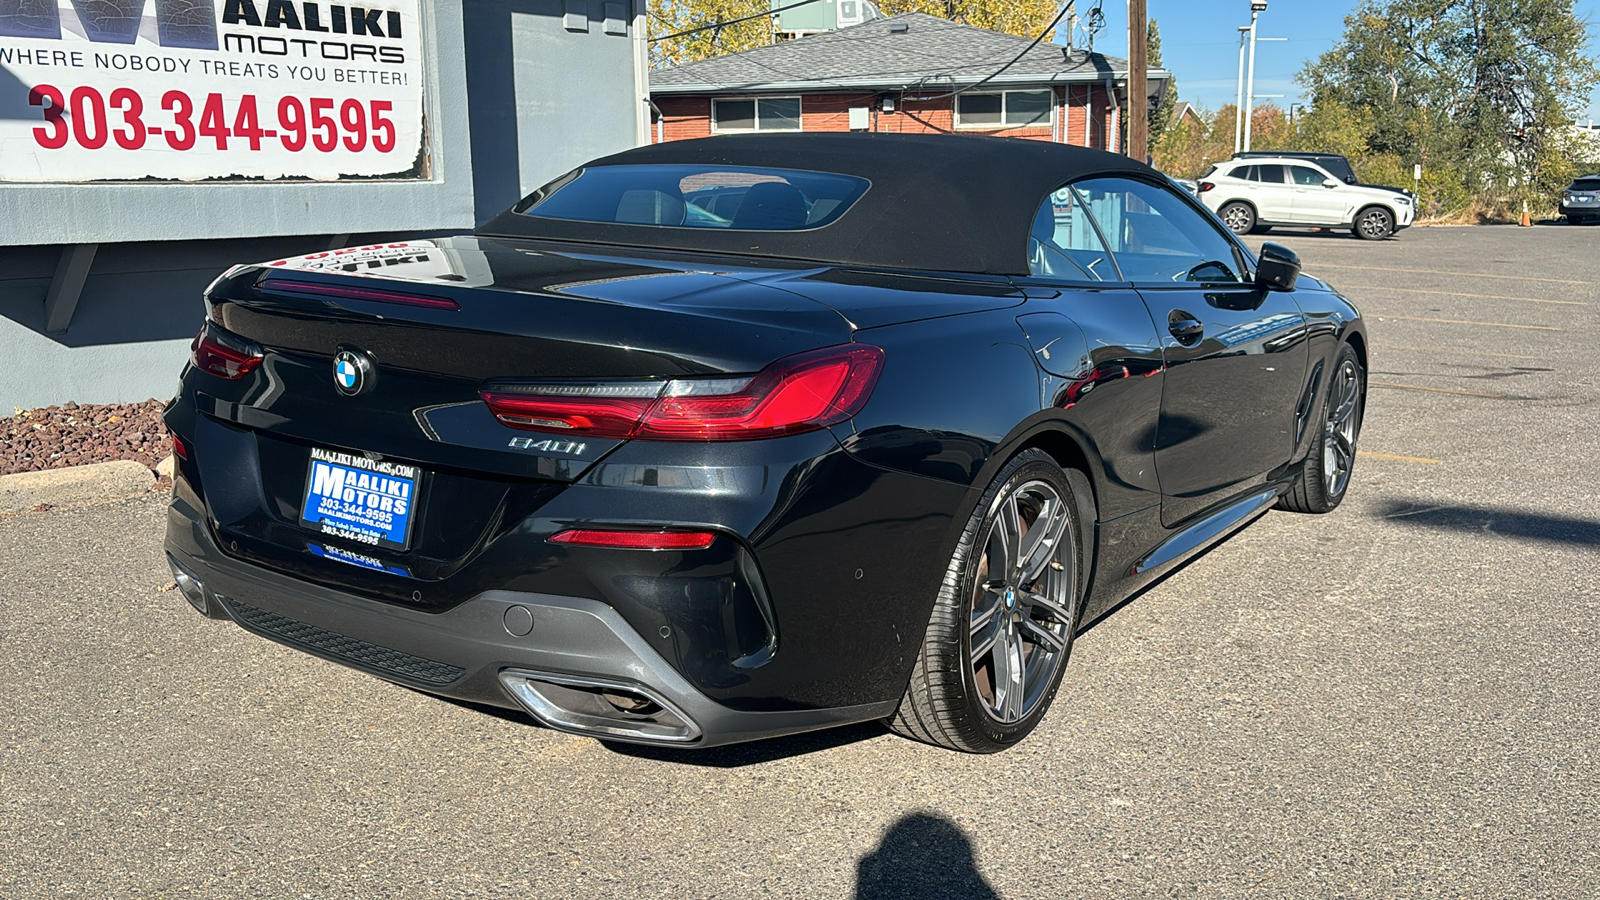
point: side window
(1248, 173)
(1065, 244)
(1269, 174)
(1307, 177)
(1155, 236)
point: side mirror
(1277, 268)
(1330, 182)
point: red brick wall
(1088, 109)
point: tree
(1482, 88)
(667, 17)
(1160, 113)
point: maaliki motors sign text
(101, 90)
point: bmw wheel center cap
(352, 371)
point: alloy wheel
(1342, 428)
(1023, 601)
(1374, 224)
(1238, 219)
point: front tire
(1324, 476)
(1003, 622)
(1374, 223)
(1239, 217)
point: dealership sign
(210, 90)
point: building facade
(911, 73)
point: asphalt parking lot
(1398, 699)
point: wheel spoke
(1010, 647)
(1045, 537)
(1038, 602)
(984, 635)
(1008, 535)
(1043, 635)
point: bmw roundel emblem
(352, 372)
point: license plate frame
(366, 501)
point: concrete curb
(94, 483)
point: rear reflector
(798, 393)
(636, 540)
(179, 448)
(223, 353)
(351, 292)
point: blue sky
(1200, 42)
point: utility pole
(1238, 104)
(1257, 7)
(1138, 93)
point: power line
(1014, 60)
(759, 15)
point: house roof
(1183, 108)
(910, 51)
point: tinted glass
(1268, 174)
(1064, 243)
(779, 114)
(1585, 184)
(755, 199)
(734, 114)
(1027, 107)
(978, 109)
(1155, 236)
(1307, 177)
(1248, 173)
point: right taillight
(1206, 186)
(798, 393)
(222, 353)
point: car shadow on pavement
(755, 752)
(925, 856)
(1488, 520)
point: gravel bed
(54, 437)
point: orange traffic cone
(1526, 222)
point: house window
(1007, 109)
(756, 114)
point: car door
(1234, 355)
(1315, 202)
(1273, 198)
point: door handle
(1185, 327)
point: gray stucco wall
(534, 98)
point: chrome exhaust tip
(597, 707)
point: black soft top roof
(938, 202)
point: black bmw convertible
(724, 439)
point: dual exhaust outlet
(600, 708)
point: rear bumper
(463, 652)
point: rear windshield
(1585, 184)
(695, 196)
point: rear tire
(1374, 224)
(1324, 476)
(1239, 217)
(1003, 621)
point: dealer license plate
(355, 498)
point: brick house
(900, 74)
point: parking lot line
(1434, 390)
(1462, 274)
(1457, 352)
(1415, 459)
(1465, 322)
(1379, 287)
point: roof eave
(1089, 76)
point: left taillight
(222, 353)
(1205, 186)
(796, 394)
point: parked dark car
(1580, 202)
(875, 444)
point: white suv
(1258, 192)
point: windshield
(698, 196)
